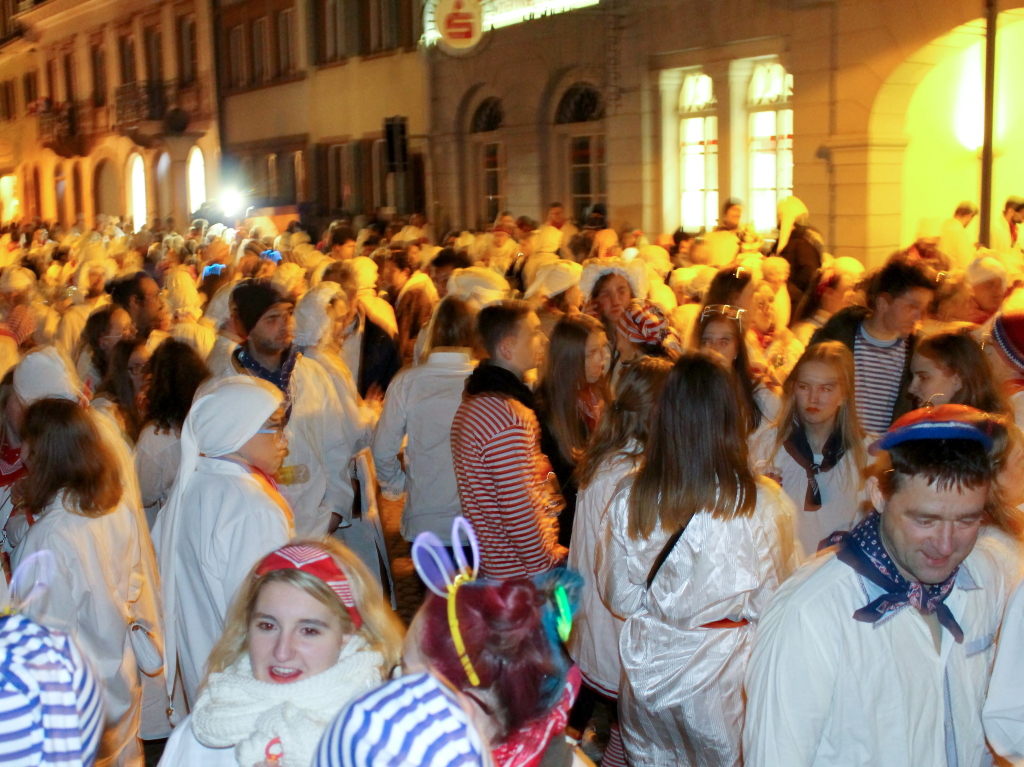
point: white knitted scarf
(235, 709)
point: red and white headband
(318, 563)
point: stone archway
(898, 169)
(106, 190)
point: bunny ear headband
(441, 576)
(439, 573)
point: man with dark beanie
(321, 440)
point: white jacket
(826, 689)
(228, 523)
(99, 581)
(680, 695)
(421, 402)
(1004, 708)
(594, 643)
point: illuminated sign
(458, 23)
(497, 14)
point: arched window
(698, 152)
(581, 103)
(488, 116)
(137, 192)
(196, 172)
(580, 111)
(490, 154)
(770, 136)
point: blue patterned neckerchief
(862, 549)
(281, 378)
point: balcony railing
(140, 102)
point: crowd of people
(757, 504)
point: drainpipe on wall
(218, 56)
(991, 19)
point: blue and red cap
(941, 422)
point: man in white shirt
(954, 240)
(1004, 709)
(421, 403)
(879, 651)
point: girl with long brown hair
(817, 451)
(614, 452)
(570, 398)
(697, 546)
(98, 586)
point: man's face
(523, 349)
(902, 315)
(346, 251)
(929, 531)
(151, 312)
(274, 332)
(989, 294)
(556, 216)
(500, 237)
(731, 219)
(439, 276)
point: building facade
(307, 86)
(107, 108)
(868, 110)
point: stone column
(669, 83)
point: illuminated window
(344, 164)
(196, 179)
(770, 134)
(698, 153)
(137, 187)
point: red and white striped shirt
(502, 479)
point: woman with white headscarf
(318, 320)
(224, 513)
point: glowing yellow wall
(944, 123)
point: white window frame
(598, 170)
(771, 152)
(698, 154)
(484, 141)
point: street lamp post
(991, 19)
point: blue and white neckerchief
(862, 549)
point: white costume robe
(157, 457)
(227, 523)
(1004, 708)
(826, 689)
(99, 580)
(321, 438)
(680, 695)
(842, 493)
(594, 643)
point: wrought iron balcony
(59, 129)
(136, 102)
(174, 103)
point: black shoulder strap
(663, 555)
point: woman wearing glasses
(817, 452)
(721, 329)
(123, 391)
(224, 514)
